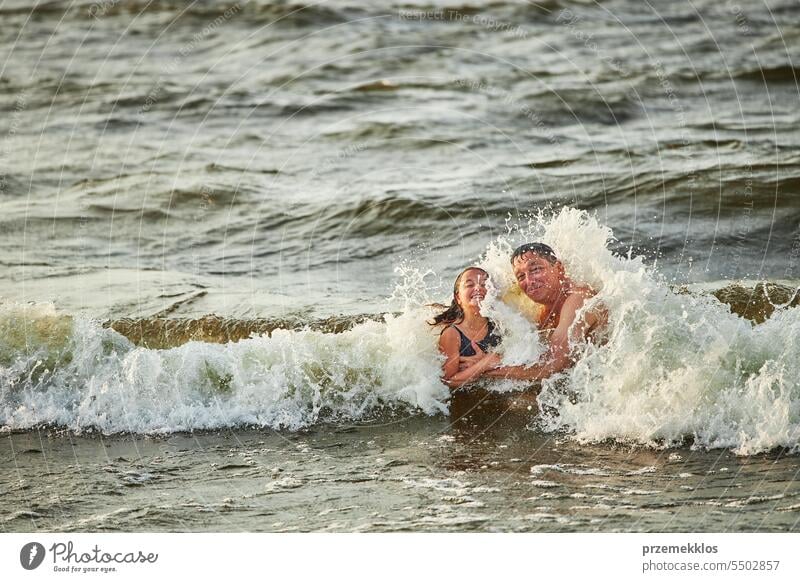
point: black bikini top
(490, 340)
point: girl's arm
(449, 345)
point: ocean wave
(756, 187)
(677, 364)
(163, 333)
(769, 74)
(605, 105)
(55, 370)
(390, 222)
(756, 302)
(293, 13)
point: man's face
(537, 277)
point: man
(542, 278)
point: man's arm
(535, 372)
(557, 357)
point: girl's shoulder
(450, 330)
(450, 339)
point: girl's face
(471, 289)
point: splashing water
(95, 378)
(674, 365)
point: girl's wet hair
(541, 249)
(454, 313)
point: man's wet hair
(536, 248)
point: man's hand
(535, 372)
(552, 363)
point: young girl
(468, 335)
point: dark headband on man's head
(540, 249)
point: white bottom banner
(373, 557)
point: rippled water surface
(402, 475)
(284, 157)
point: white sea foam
(674, 365)
(90, 377)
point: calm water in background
(297, 153)
(271, 160)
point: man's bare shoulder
(583, 291)
(578, 294)
(597, 315)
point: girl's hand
(465, 362)
(487, 361)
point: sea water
(223, 225)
